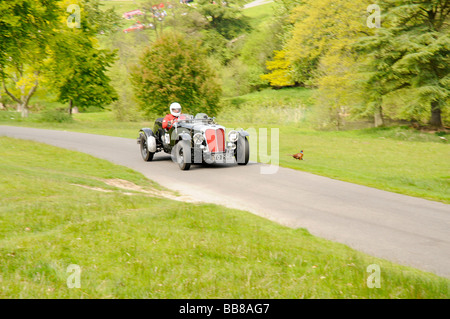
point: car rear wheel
(146, 154)
(183, 155)
(242, 153)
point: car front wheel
(242, 151)
(183, 155)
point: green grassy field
(260, 13)
(60, 208)
(123, 6)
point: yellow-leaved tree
(318, 53)
(322, 38)
(281, 72)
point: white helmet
(175, 109)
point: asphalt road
(403, 229)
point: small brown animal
(298, 156)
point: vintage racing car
(195, 140)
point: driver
(170, 119)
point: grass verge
(129, 244)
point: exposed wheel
(146, 155)
(242, 153)
(183, 155)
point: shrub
(176, 69)
(55, 116)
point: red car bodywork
(215, 140)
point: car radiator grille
(215, 140)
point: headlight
(198, 139)
(233, 136)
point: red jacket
(167, 119)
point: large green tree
(223, 16)
(317, 28)
(84, 81)
(318, 52)
(37, 45)
(25, 29)
(172, 69)
(77, 67)
(409, 56)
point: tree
(414, 58)
(172, 69)
(85, 82)
(76, 67)
(335, 88)
(98, 20)
(25, 28)
(376, 78)
(318, 53)
(34, 32)
(242, 74)
(224, 17)
(281, 71)
(317, 28)
(323, 27)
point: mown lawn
(57, 208)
